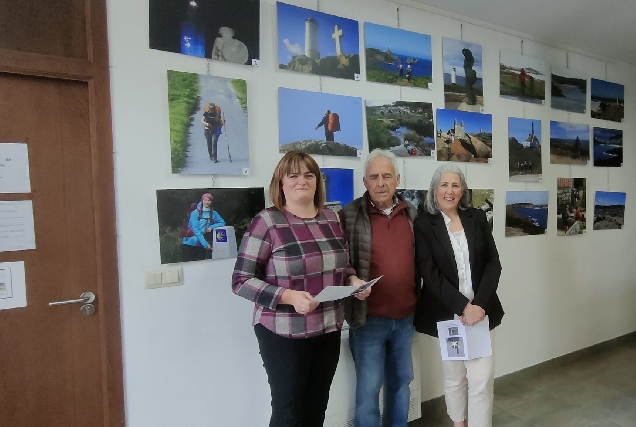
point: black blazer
(440, 297)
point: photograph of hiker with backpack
(331, 123)
(298, 111)
(212, 122)
(196, 243)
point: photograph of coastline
(208, 125)
(571, 206)
(223, 30)
(397, 56)
(179, 209)
(609, 210)
(569, 143)
(463, 136)
(524, 149)
(338, 184)
(607, 100)
(319, 123)
(406, 128)
(521, 78)
(608, 147)
(569, 93)
(313, 42)
(463, 77)
(526, 213)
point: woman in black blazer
(460, 268)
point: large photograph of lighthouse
(223, 30)
(317, 43)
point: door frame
(94, 71)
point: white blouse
(460, 250)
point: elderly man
(379, 229)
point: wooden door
(59, 367)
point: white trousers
(469, 390)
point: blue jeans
(381, 350)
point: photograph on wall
(569, 143)
(223, 30)
(483, 199)
(526, 213)
(569, 93)
(317, 43)
(524, 149)
(463, 136)
(571, 206)
(397, 56)
(607, 100)
(204, 223)
(608, 147)
(208, 124)
(406, 128)
(463, 77)
(609, 210)
(521, 78)
(338, 185)
(319, 123)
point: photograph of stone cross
(313, 42)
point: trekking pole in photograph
(226, 138)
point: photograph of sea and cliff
(569, 93)
(526, 213)
(608, 147)
(609, 210)
(406, 128)
(521, 78)
(397, 56)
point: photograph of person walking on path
(205, 110)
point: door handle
(85, 298)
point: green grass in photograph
(183, 102)
(240, 86)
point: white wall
(190, 356)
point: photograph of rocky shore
(608, 147)
(568, 93)
(397, 56)
(526, 213)
(607, 100)
(313, 42)
(463, 136)
(609, 210)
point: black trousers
(212, 138)
(192, 253)
(299, 372)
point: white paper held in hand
(334, 293)
(459, 342)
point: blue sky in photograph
(291, 32)
(299, 111)
(608, 198)
(473, 122)
(521, 128)
(453, 56)
(401, 42)
(605, 134)
(564, 130)
(603, 89)
(534, 197)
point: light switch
(164, 277)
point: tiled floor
(592, 390)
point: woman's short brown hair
(290, 163)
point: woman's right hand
(472, 314)
(302, 301)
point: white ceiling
(604, 28)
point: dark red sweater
(392, 255)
